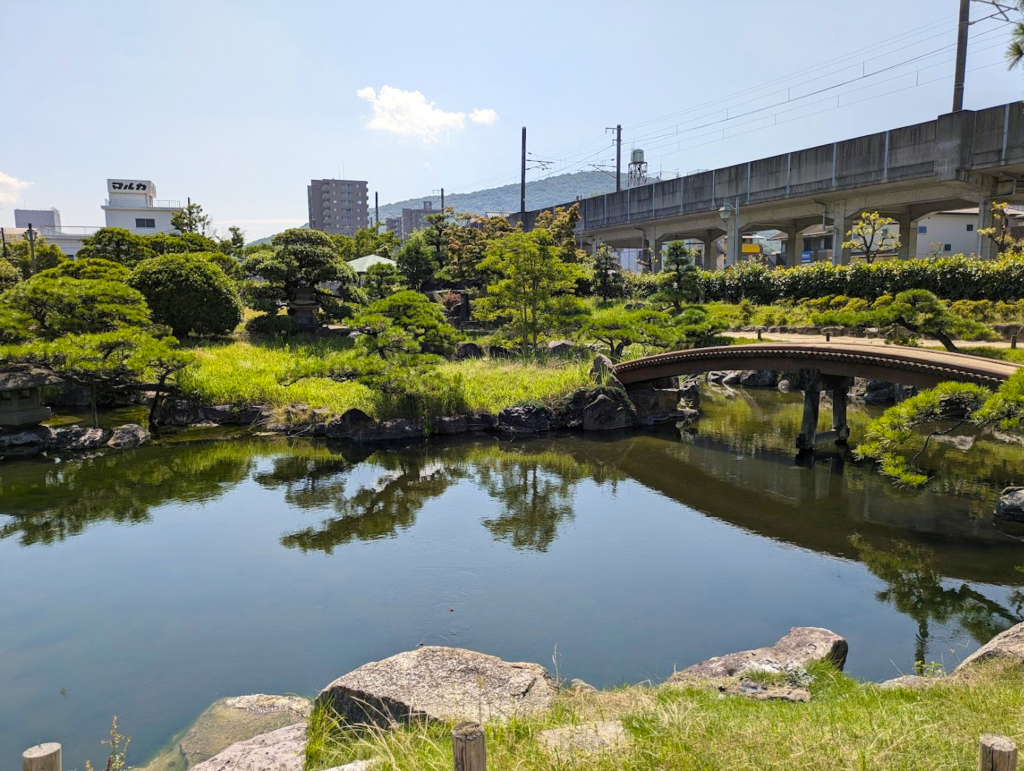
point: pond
(148, 584)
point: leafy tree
(189, 294)
(9, 275)
(167, 243)
(416, 261)
(562, 227)
(1000, 232)
(92, 269)
(53, 307)
(607, 274)
(870, 236)
(421, 318)
(234, 244)
(229, 265)
(117, 245)
(1015, 48)
(191, 220)
(529, 294)
(47, 255)
(299, 262)
(123, 359)
(436, 236)
(380, 280)
(615, 328)
(383, 243)
(678, 282)
(916, 310)
(468, 238)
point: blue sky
(239, 104)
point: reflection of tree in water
(406, 482)
(915, 588)
(536, 493)
(49, 501)
(309, 481)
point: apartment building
(338, 206)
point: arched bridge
(823, 367)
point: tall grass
(241, 373)
(847, 725)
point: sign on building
(129, 186)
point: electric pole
(442, 199)
(618, 155)
(522, 183)
(376, 211)
(961, 55)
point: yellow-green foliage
(847, 725)
(241, 373)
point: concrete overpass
(823, 367)
(968, 158)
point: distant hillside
(539, 195)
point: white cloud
(409, 114)
(10, 188)
(487, 117)
(426, 164)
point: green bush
(9, 275)
(188, 293)
(271, 325)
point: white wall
(125, 218)
(947, 229)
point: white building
(132, 204)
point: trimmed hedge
(951, 278)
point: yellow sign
(751, 248)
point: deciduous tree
(871, 236)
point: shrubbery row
(951, 278)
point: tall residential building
(37, 218)
(338, 206)
(132, 204)
(410, 221)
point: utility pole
(3, 240)
(522, 184)
(618, 158)
(961, 55)
(376, 210)
(442, 199)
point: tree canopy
(189, 294)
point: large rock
(79, 439)
(447, 425)
(128, 437)
(228, 414)
(439, 683)
(802, 646)
(658, 405)
(1006, 647)
(748, 378)
(395, 430)
(585, 739)
(602, 371)
(560, 347)
(280, 750)
(468, 350)
(689, 392)
(1011, 504)
(227, 722)
(606, 414)
(349, 424)
(527, 419)
(179, 412)
(28, 441)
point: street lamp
(30, 234)
(727, 212)
(728, 209)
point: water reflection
(916, 588)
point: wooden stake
(469, 748)
(997, 753)
(42, 757)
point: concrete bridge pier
(813, 383)
(987, 248)
(908, 236)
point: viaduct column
(734, 240)
(908, 237)
(987, 248)
(794, 246)
(710, 256)
(840, 256)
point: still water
(148, 584)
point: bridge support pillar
(794, 246)
(813, 383)
(840, 256)
(908, 237)
(987, 248)
(734, 240)
(710, 256)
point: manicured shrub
(9, 275)
(189, 294)
(271, 325)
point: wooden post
(469, 748)
(839, 423)
(42, 757)
(809, 429)
(1013, 341)
(997, 753)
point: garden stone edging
(39, 439)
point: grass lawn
(847, 725)
(242, 373)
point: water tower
(637, 169)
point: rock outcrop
(227, 722)
(802, 646)
(585, 739)
(1007, 647)
(560, 347)
(528, 419)
(439, 683)
(468, 350)
(78, 439)
(280, 750)
(127, 437)
(607, 414)
(1011, 504)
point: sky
(237, 105)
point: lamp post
(30, 234)
(730, 214)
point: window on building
(947, 247)
(970, 228)
(922, 229)
(142, 222)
